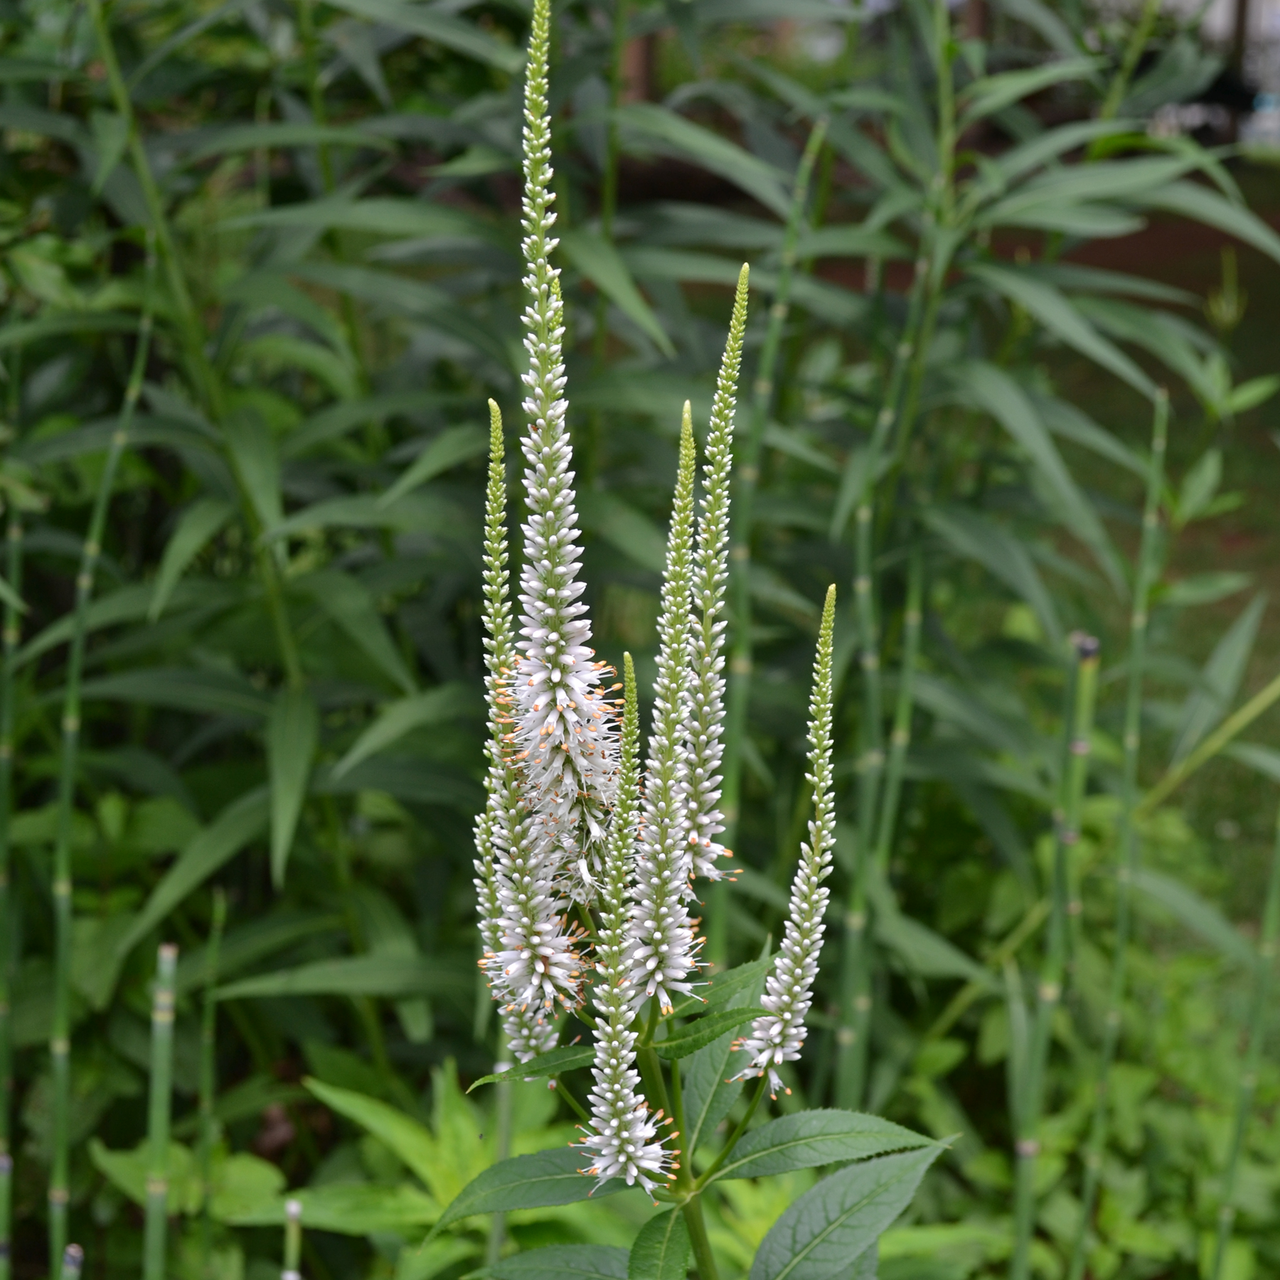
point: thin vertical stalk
(292, 1240)
(60, 1038)
(209, 1075)
(190, 325)
(900, 739)
(158, 1113)
(1128, 848)
(1137, 42)
(1259, 1007)
(502, 1104)
(896, 414)
(72, 1263)
(12, 635)
(746, 480)
(1029, 1106)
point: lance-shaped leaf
(351, 607)
(244, 819)
(993, 93)
(833, 1225)
(564, 1262)
(602, 264)
(347, 1208)
(392, 977)
(687, 1040)
(442, 453)
(810, 1139)
(567, 1058)
(200, 522)
(528, 1182)
(1198, 915)
(440, 27)
(412, 1142)
(292, 732)
(435, 706)
(661, 1250)
(1202, 204)
(282, 133)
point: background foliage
(281, 687)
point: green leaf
(382, 215)
(293, 730)
(10, 597)
(993, 390)
(240, 1183)
(1000, 553)
(351, 607)
(382, 975)
(528, 1182)
(1199, 486)
(661, 129)
(1266, 760)
(720, 988)
(441, 28)
(435, 706)
(243, 820)
(1203, 588)
(412, 1142)
(278, 133)
(220, 693)
(443, 452)
(200, 522)
(1248, 395)
(1067, 421)
(810, 1139)
(990, 94)
(336, 420)
(1203, 204)
(110, 138)
(709, 1087)
(564, 1262)
(347, 1208)
(661, 1250)
(250, 943)
(1201, 917)
(602, 264)
(1220, 680)
(623, 527)
(1056, 313)
(567, 1058)
(832, 1225)
(253, 454)
(699, 1034)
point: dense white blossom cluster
(569, 818)
(777, 1035)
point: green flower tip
(496, 448)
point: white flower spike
(565, 729)
(778, 1035)
(704, 701)
(529, 953)
(663, 950)
(622, 1134)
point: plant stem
(502, 1107)
(292, 1240)
(1137, 42)
(12, 635)
(739, 1129)
(158, 1111)
(60, 1038)
(209, 1076)
(1259, 1008)
(747, 479)
(1029, 1096)
(703, 1258)
(1147, 572)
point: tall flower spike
(662, 950)
(778, 1035)
(704, 708)
(622, 1133)
(565, 728)
(529, 960)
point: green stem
(1259, 1008)
(1138, 38)
(158, 1113)
(1127, 838)
(12, 636)
(59, 1041)
(502, 1107)
(746, 481)
(703, 1259)
(292, 1240)
(209, 1077)
(739, 1129)
(1029, 1096)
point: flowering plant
(588, 863)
